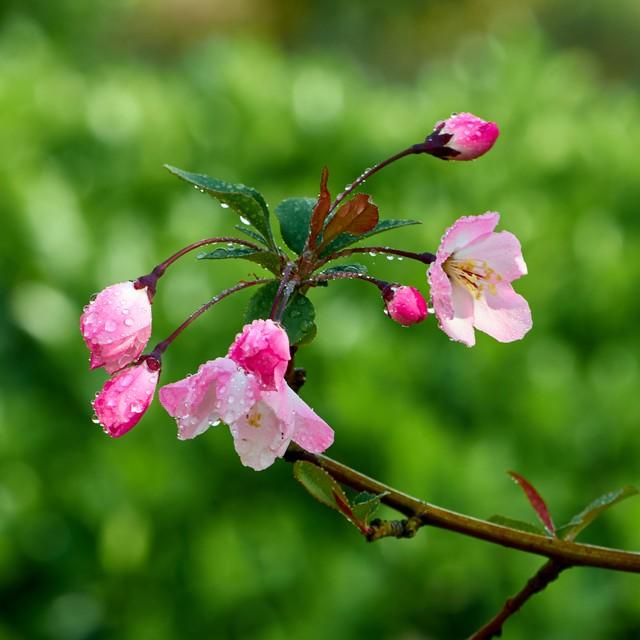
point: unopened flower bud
(405, 305)
(463, 136)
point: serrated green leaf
(583, 519)
(347, 268)
(520, 525)
(244, 200)
(319, 484)
(294, 215)
(365, 505)
(251, 233)
(266, 259)
(297, 319)
(346, 239)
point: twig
(563, 551)
(548, 573)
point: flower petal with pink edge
(125, 397)
(310, 431)
(460, 326)
(219, 391)
(500, 251)
(504, 314)
(116, 326)
(262, 348)
(466, 230)
(264, 433)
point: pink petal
(504, 315)
(406, 305)
(440, 290)
(471, 136)
(466, 230)
(125, 397)
(501, 251)
(263, 434)
(460, 326)
(311, 432)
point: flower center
(473, 275)
(254, 419)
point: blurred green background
(150, 538)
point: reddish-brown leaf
(357, 216)
(321, 209)
(536, 501)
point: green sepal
(266, 259)
(244, 200)
(294, 215)
(346, 239)
(297, 319)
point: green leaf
(244, 200)
(294, 215)
(298, 317)
(365, 505)
(346, 239)
(520, 525)
(251, 233)
(266, 259)
(347, 268)
(320, 484)
(583, 519)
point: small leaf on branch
(320, 210)
(297, 319)
(356, 217)
(520, 525)
(320, 484)
(536, 501)
(583, 519)
(266, 259)
(251, 233)
(294, 215)
(346, 239)
(346, 268)
(365, 505)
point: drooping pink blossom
(471, 281)
(462, 136)
(405, 305)
(125, 397)
(262, 348)
(219, 392)
(116, 326)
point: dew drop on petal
(128, 322)
(109, 325)
(135, 407)
(95, 419)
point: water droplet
(128, 322)
(125, 311)
(244, 220)
(195, 186)
(93, 297)
(229, 244)
(135, 407)
(373, 254)
(224, 205)
(399, 258)
(109, 325)
(95, 419)
(390, 257)
(231, 399)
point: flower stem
(161, 347)
(344, 275)
(425, 257)
(150, 281)
(565, 552)
(286, 288)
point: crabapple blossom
(462, 136)
(116, 325)
(405, 305)
(471, 281)
(125, 397)
(262, 348)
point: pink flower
(263, 349)
(220, 391)
(463, 136)
(471, 281)
(405, 305)
(125, 397)
(116, 326)
(262, 423)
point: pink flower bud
(116, 326)
(405, 305)
(263, 349)
(125, 397)
(463, 136)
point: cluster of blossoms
(470, 278)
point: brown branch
(563, 551)
(548, 573)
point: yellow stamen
(474, 275)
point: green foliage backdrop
(150, 538)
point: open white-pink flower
(471, 281)
(116, 325)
